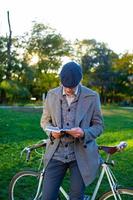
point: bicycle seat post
(108, 157)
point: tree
(11, 75)
(3, 59)
(3, 62)
(124, 79)
(46, 47)
(97, 65)
(49, 46)
(44, 83)
(17, 70)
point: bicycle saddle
(113, 149)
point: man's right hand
(56, 135)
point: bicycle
(116, 192)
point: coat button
(85, 146)
(67, 124)
(66, 157)
(52, 142)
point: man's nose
(69, 89)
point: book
(56, 129)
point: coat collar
(84, 91)
(83, 103)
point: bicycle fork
(38, 193)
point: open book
(56, 129)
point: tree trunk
(9, 43)
(3, 96)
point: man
(76, 109)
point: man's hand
(56, 135)
(76, 132)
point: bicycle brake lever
(28, 155)
(27, 150)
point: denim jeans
(53, 177)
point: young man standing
(76, 109)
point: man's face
(69, 91)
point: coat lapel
(57, 107)
(58, 113)
(84, 103)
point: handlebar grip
(122, 145)
(28, 155)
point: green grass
(20, 128)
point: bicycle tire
(22, 186)
(125, 193)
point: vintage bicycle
(27, 185)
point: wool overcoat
(88, 117)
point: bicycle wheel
(23, 186)
(125, 194)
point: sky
(109, 21)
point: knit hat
(71, 74)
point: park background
(29, 66)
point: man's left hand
(76, 132)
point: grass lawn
(20, 128)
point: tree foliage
(49, 46)
(42, 43)
(124, 70)
(36, 57)
(97, 62)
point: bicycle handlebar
(107, 149)
(36, 146)
(29, 149)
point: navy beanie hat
(71, 74)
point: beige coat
(89, 118)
